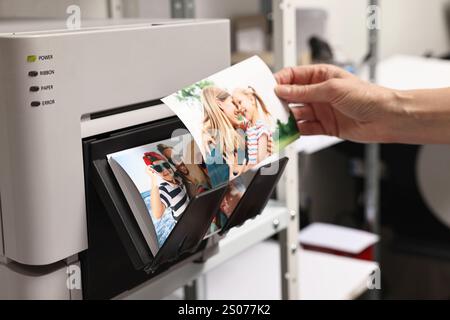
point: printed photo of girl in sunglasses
(167, 192)
(166, 178)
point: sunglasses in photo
(161, 167)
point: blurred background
(410, 27)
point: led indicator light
(31, 58)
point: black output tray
(257, 194)
(185, 237)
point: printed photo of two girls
(235, 121)
(235, 118)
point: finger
(304, 93)
(309, 74)
(310, 128)
(295, 75)
(284, 76)
(305, 113)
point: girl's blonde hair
(260, 104)
(217, 127)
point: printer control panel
(41, 73)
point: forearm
(156, 204)
(262, 148)
(423, 117)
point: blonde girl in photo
(258, 124)
(221, 124)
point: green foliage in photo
(287, 132)
(193, 92)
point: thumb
(303, 93)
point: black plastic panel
(120, 214)
(109, 264)
(257, 194)
(192, 227)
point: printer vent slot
(131, 107)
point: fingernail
(281, 90)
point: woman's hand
(337, 103)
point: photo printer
(68, 98)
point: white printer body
(60, 87)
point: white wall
(414, 26)
(225, 8)
(203, 8)
(154, 8)
(51, 8)
(407, 26)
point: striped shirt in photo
(253, 134)
(174, 196)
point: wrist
(402, 118)
(420, 118)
